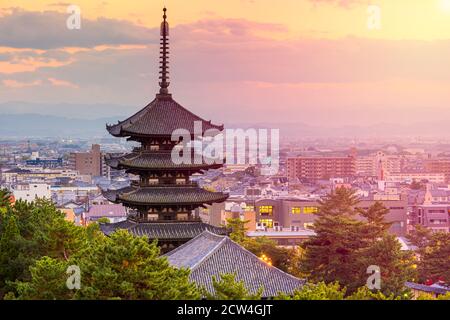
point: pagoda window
(180, 181)
(153, 181)
(154, 148)
(182, 216)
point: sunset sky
(305, 61)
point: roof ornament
(164, 58)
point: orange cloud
(17, 84)
(62, 83)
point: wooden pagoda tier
(158, 162)
(164, 196)
(164, 199)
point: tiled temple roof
(164, 195)
(163, 230)
(154, 161)
(159, 118)
(425, 288)
(210, 255)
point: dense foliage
(348, 240)
(38, 247)
(433, 250)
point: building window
(310, 210)
(436, 211)
(268, 223)
(308, 225)
(296, 210)
(266, 210)
(249, 208)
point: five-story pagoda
(164, 197)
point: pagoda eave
(164, 196)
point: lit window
(308, 225)
(296, 210)
(153, 181)
(180, 181)
(249, 208)
(266, 222)
(266, 210)
(310, 210)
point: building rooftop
(209, 255)
(431, 289)
(106, 210)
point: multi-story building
(31, 191)
(88, 163)
(441, 165)
(300, 213)
(433, 216)
(317, 168)
(431, 209)
(26, 174)
(377, 165)
(408, 177)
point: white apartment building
(414, 176)
(32, 191)
(374, 165)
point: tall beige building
(88, 163)
(378, 165)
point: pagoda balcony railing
(174, 185)
(158, 220)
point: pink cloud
(340, 3)
(14, 84)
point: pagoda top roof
(211, 254)
(161, 117)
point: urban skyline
(264, 158)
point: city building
(88, 163)
(31, 191)
(408, 177)
(441, 165)
(164, 197)
(114, 213)
(298, 214)
(317, 168)
(435, 217)
(378, 164)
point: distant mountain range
(21, 119)
(39, 126)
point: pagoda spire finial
(164, 58)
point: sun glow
(445, 5)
